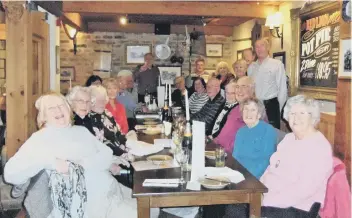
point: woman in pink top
(299, 170)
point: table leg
(143, 207)
(255, 205)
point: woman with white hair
(58, 146)
(224, 74)
(299, 170)
(256, 141)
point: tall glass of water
(181, 156)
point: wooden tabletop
(249, 185)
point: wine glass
(181, 156)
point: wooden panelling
(327, 126)
(209, 8)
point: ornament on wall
(14, 11)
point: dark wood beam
(55, 8)
(230, 9)
(149, 28)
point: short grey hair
(312, 105)
(258, 103)
(97, 91)
(124, 73)
(71, 96)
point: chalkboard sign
(319, 48)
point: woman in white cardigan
(56, 143)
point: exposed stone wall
(83, 61)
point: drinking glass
(181, 156)
(219, 157)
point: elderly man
(146, 76)
(199, 73)
(270, 81)
(244, 89)
(126, 96)
(215, 103)
(178, 96)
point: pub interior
(193, 109)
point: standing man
(270, 81)
(199, 73)
(248, 55)
(146, 77)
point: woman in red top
(117, 109)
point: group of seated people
(92, 145)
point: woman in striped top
(199, 97)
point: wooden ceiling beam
(149, 28)
(230, 9)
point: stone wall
(83, 61)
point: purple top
(227, 136)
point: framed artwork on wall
(67, 73)
(281, 56)
(169, 73)
(345, 59)
(213, 50)
(135, 53)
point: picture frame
(346, 10)
(214, 50)
(169, 73)
(67, 73)
(345, 60)
(281, 56)
(135, 53)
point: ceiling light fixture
(123, 20)
(275, 24)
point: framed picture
(281, 56)
(169, 73)
(345, 59)
(346, 10)
(67, 73)
(213, 50)
(135, 53)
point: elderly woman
(178, 96)
(77, 164)
(299, 170)
(256, 141)
(230, 103)
(224, 74)
(244, 89)
(199, 98)
(117, 109)
(240, 68)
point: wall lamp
(275, 24)
(71, 33)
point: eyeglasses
(298, 114)
(241, 87)
(82, 102)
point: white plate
(212, 184)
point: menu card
(198, 148)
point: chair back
(337, 202)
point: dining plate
(159, 159)
(150, 122)
(211, 183)
(211, 155)
(152, 131)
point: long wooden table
(247, 191)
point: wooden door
(27, 53)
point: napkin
(161, 182)
(139, 148)
(166, 143)
(231, 174)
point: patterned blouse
(104, 127)
(222, 118)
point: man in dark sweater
(215, 103)
(146, 76)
